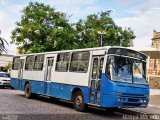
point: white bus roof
(77, 50)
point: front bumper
(125, 101)
(5, 84)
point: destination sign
(127, 52)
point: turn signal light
(118, 93)
(143, 105)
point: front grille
(131, 104)
(133, 95)
(6, 80)
(132, 100)
(5, 83)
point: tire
(11, 87)
(54, 99)
(27, 91)
(111, 110)
(79, 104)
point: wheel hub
(79, 101)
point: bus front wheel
(79, 104)
(28, 93)
(111, 110)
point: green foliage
(8, 66)
(43, 29)
(102, 22)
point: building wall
(156, 39)
(155, 63)
(4, 60)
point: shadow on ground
(3, 87)
(91, 111)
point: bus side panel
(20, 84)
(14, 73)
(33, 75)
(58, 90)
(64, 91)
(107, 91)
(36, 86)
(14, 83)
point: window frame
(79, 61)
(61, 61)
(111, 70)
(30, 62)
(13, 68)
(39, 62)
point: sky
(142, 16)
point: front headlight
(141, 101)
(120, 100)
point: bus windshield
(124, 69)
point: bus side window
(101, 67)
(38, 64)
(29, 62)
(79, 62)
(62, 62)
(15, 65)
(95, 69)
(108, 65)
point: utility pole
(101, 33)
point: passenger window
(15, 65)
(95, 69)
(79, 62)
(101, 66)
(38, 64)
(108, 67)
(29, 62)
(50, 62)
(62, 62)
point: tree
(102, 22)
(8, 66)
(42, 29)
(2, 45)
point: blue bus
(110, 77)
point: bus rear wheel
(79, 104)
(27, 91)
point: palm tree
(2, 44)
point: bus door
(97, 65)
(20, 73)
(48, 73)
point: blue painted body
(57, 90)
(132, 94)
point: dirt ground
(155, 99)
